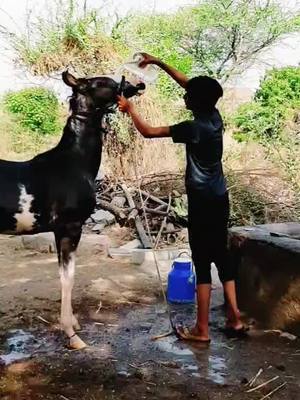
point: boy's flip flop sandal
(233, 333)
(184, 333)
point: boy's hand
(148, 59)
(125, 105)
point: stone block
(103, 216)
(268, 283)
(41, 242)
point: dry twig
(43, 320)
(262, 384)
(253, 380)
(273, 391)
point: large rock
(98, 227)
(126, 250)
(94, 244)
(45, 243)
(140, 256)
(41, 242)
(268, 285)
(102, 216)
(119, 201)
(133, 244)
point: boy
(208, 203)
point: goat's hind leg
(66, 247)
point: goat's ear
(69, 79)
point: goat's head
(99, 93)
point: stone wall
(268, 261)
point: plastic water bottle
(147, 74)
(181, 281)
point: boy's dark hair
(203, 92)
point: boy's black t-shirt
(204, 149)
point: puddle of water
(217, 369)
(200, 364)
(124, 374)
(191, 367)
(12, 357)
(17, 346)
(18, 339)
(171, 345)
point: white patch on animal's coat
(25, 218)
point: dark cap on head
(203, 93)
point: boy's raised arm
(142, 126)
(178, 76)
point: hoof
(76, 343)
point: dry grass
(260, 189)
(100, 57)
(5, 138)
(142, 156)
(19, 144)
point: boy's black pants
(208, 235)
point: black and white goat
(54, 192)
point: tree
(221, 38)
(159, 34)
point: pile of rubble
(155, 211)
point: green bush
(276, 100)
(36, 109)
(256, 121)
(281, 87)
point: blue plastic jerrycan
(181, 281)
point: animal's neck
(82, 139)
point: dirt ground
(121, 361)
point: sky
(13, 12)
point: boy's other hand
(124, 104)
(148, 59)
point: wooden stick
(263, 384)
(142, 233)
(99, 307)
(253, 380)
(43, 319)
(138, 222)
(162, 336)
(154, 198)
(113, 209)
(160, 208)
(128, 196)
(131, 218)
(173, 232)
(155, 211)
(273, 391)
(163, 224)
(64, 397)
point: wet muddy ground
(122, 362)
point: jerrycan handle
(184, 252)
(181, 254)
(187, 254)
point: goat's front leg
(66, 248)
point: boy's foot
(234, 325)
(236, 331)
(191, 334)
